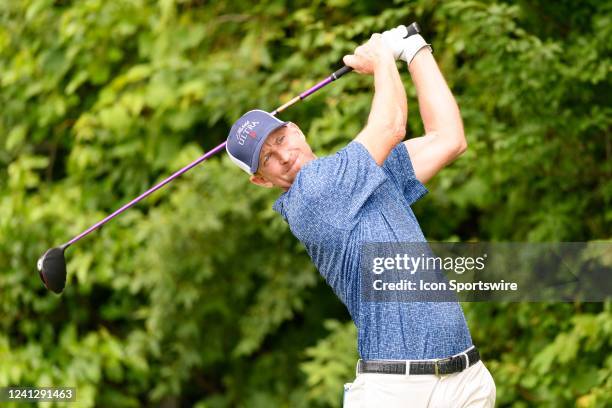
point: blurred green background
(200, 296)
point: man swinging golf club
(412, 353)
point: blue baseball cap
(247, 136)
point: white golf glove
(393, 38)
(404, 48)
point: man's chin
(288, 181)
(293, 172)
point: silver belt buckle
(437, 367)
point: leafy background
(199, 296)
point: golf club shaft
(411, 29)
(312, 90)
(143, 195)
(217, 149)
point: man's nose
(284, 156)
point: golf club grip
(413, 29)
(345, 69)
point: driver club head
(52, 269)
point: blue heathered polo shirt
(338, 202)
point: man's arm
(386, 125)
(444, 139)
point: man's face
(282, 155)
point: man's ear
(260, 181)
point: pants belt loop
(467, 359)
(357, 368)
(407, 367)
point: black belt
(447, 365)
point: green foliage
(331, 362)
(200, 295)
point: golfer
(413, 354)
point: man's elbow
(457, 135)
(397, 128)
(399, 131)
(456, 145)
(461, 145)
(394, 131)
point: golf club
(52, 264)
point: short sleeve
(337, 187)
(399, 170)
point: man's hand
(404, 48)
(369, 57)
(394, 39)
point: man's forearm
(389, 109)
(438, 108)
(386, 125)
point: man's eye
(280, 139)
(266, 157)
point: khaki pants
(473, 387)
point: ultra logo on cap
(246, 130)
